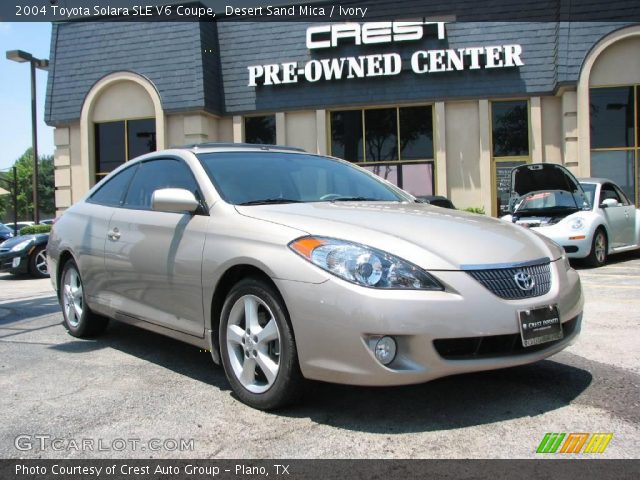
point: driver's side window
(609, 192)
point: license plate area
(540, 325)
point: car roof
(595, 180)
(209, 147)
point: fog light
(385, 350)
(15, 263)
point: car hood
(37, 238)
(541, 177)
(431, 237)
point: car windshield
(257, 178)
(547, 201)
(4, 228)
(589, 191)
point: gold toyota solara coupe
(292, 266)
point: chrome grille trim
(501, 282)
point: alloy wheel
(253, 343)
(41, 262)
(72, 297)
(601, 247)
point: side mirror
(175, 200)
(609, 202)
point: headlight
(577, 223)
(363, 265)
(21, 246)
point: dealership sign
(323, 37)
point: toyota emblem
(524, 281)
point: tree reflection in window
(510, 123)
(260, 129)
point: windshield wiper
(271, 201)
(355, 199)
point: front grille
(502, 282)
(494, 345)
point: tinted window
(611, 112)
(113, 190)
(295, 177)
(156, 174)
(381, 134)
(416, 133)
(260, 129)
(110, 146)
(141, 137)
(346, 135)
(510, 123)
(618, 166)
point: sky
(15, 91)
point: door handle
(114, 234)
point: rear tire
(257, 347)
(599, 249)
(79, 320)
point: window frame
(100, 175)
(635, 148)
(399, 162)
(525, 159)
(203, 209)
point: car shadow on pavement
(448, 403)
(20, 310)
(179, 357)
(612, 260)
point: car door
(629, 229)
(153, 259)
(614, 216)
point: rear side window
(112, 192)
(155, 174)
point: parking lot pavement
(136, 386)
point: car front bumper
(577, 248)
(335, 323)
(14, 262)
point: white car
(591, 218)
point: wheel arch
(224, 285)
(63, 258)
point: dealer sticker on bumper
(540, 325)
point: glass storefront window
(503, 182)
(386, 171)
(616, 165)
(381, 134)
(141, 137)
(117, 142)
(416, 133)
(346, 135)
(615, 136)
(110, 144)
(260, 129)
(417, 178)
(510, 128)
(611, 111)
(399, 140)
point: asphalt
(134, 386)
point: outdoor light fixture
(43, 64)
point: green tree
(46, 188)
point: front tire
(257, 347)
(599, 249)
(79, 320)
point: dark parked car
(5, 232)
(437, 200)
(25, 254)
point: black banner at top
(320, 10)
